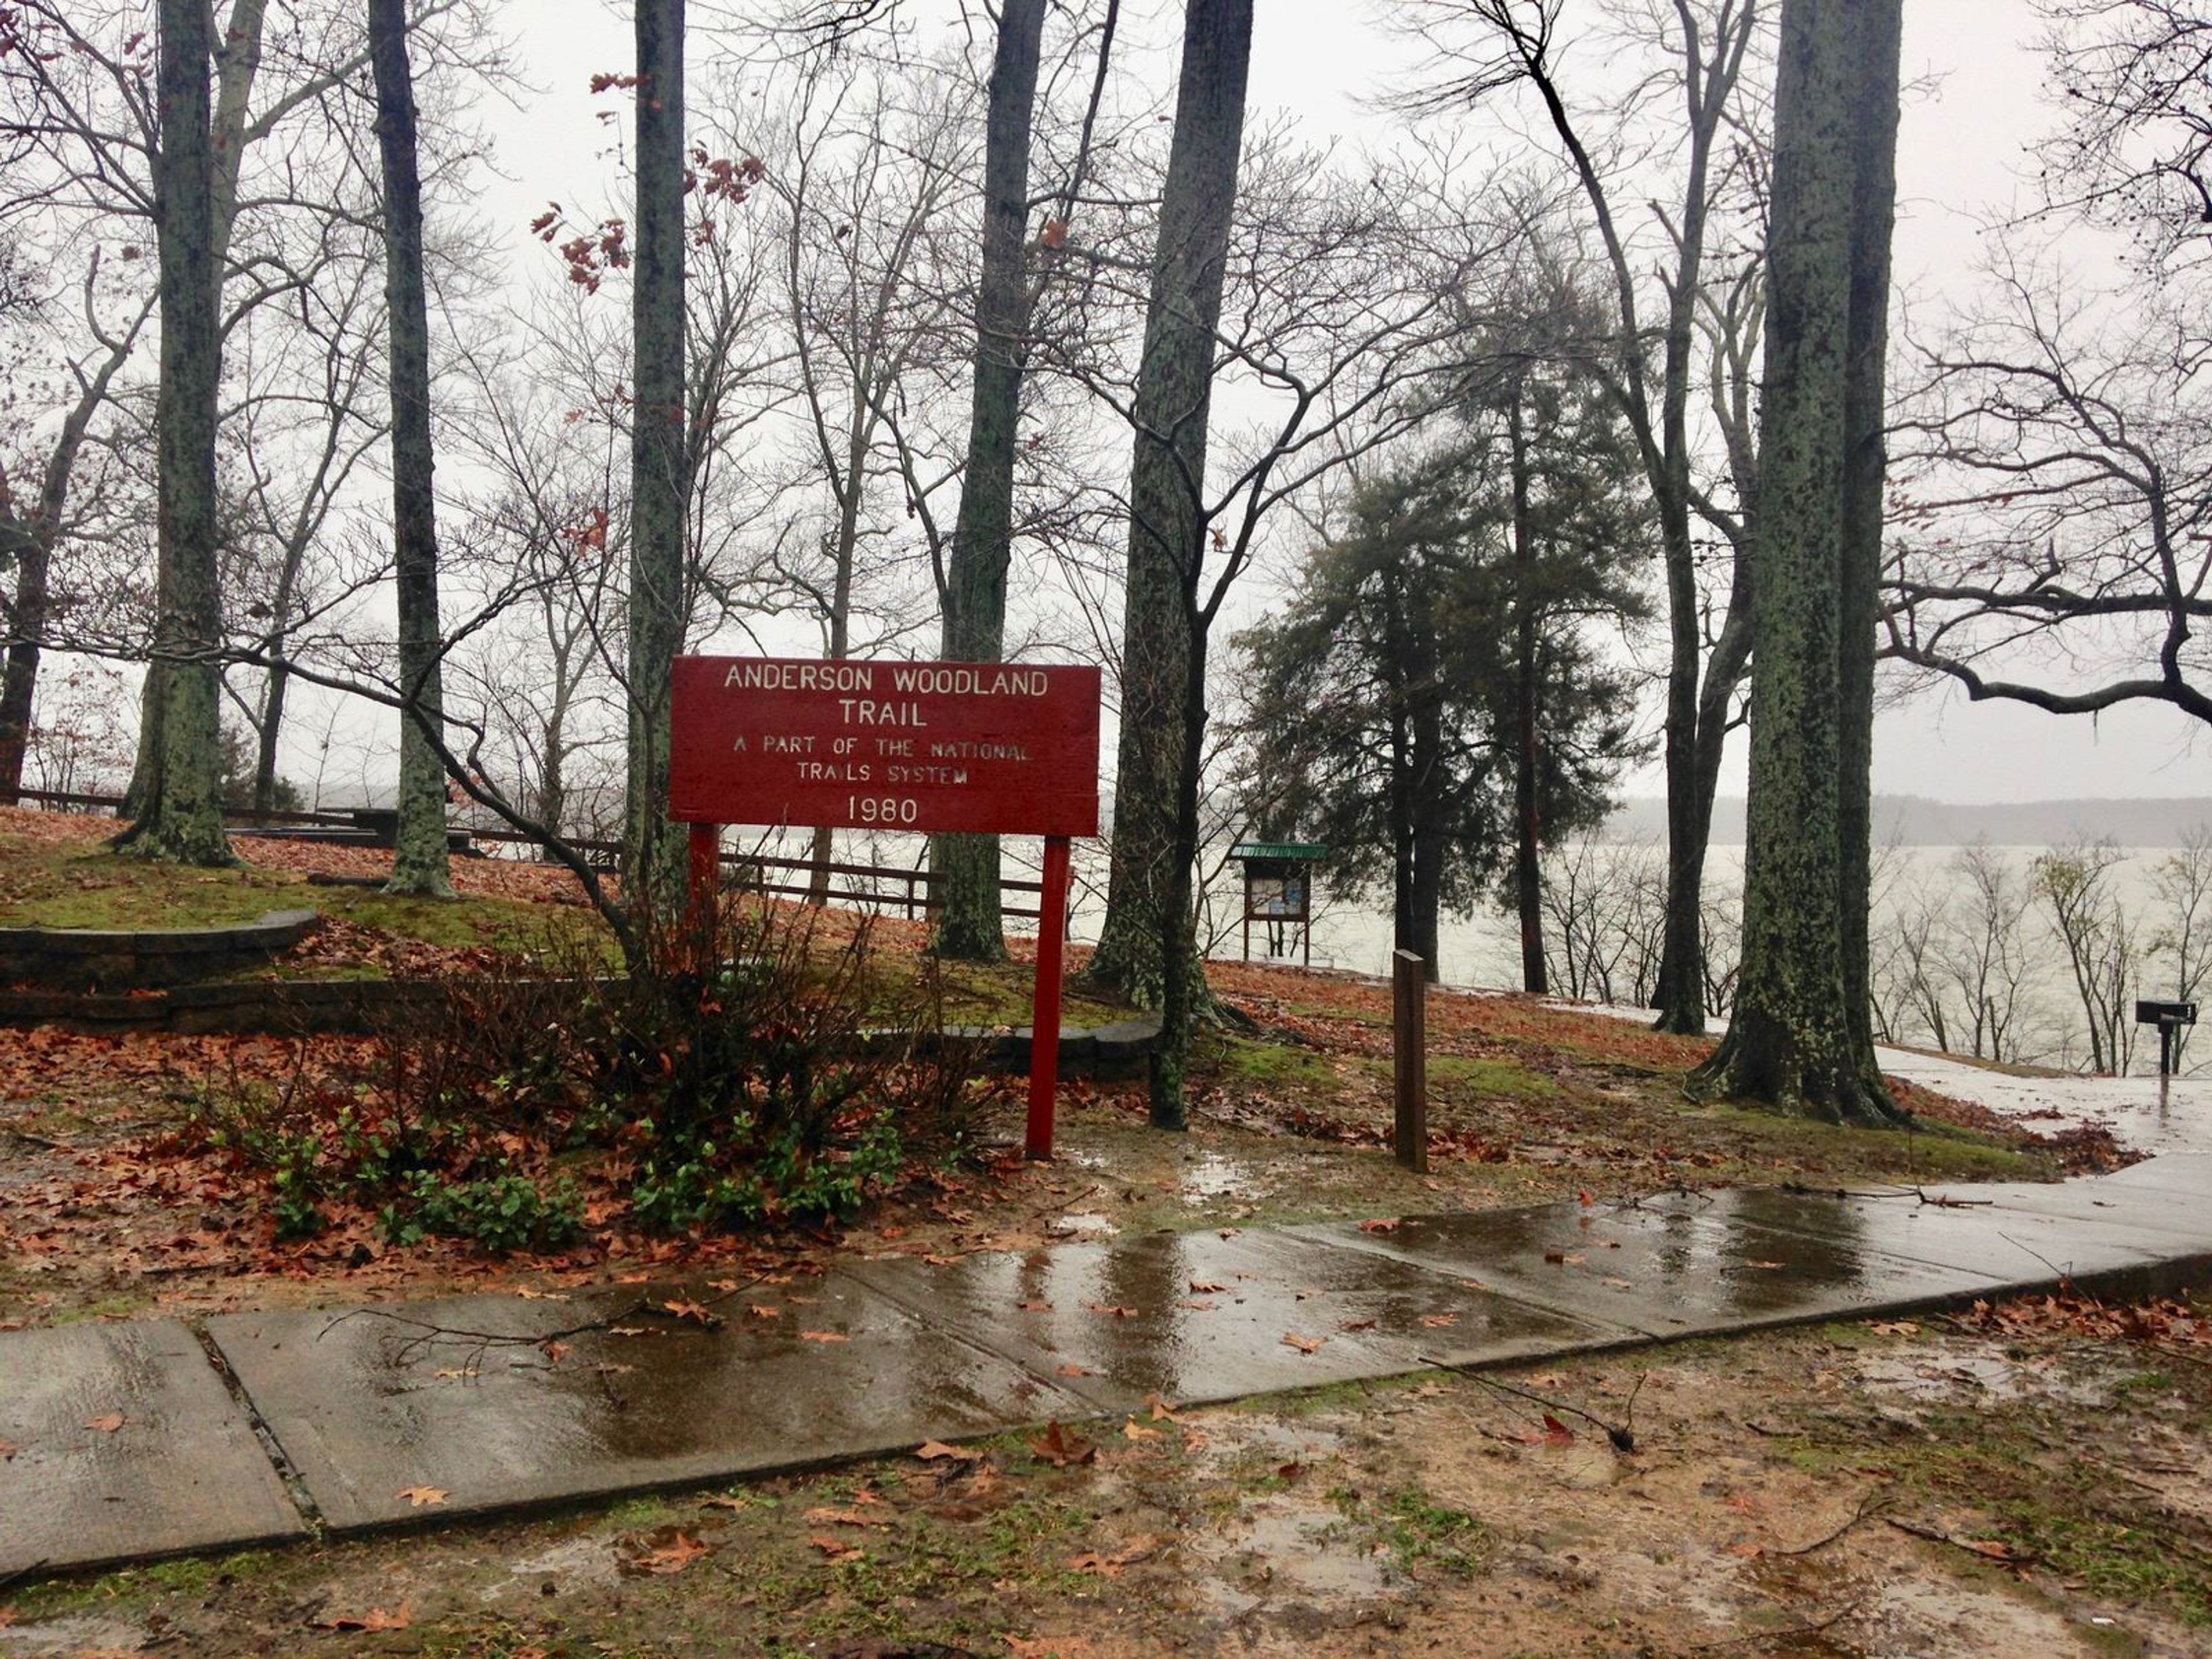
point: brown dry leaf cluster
(2164, 1320)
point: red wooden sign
(996, 748)
(1006, 749)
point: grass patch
(1490, 1079)
(1276, 1065)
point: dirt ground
(1906, 1488)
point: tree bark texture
(1800, 1040)
(652, 860)
(180, 808)
(1528, 817)
(1145, 942)
(968, 925)
(419, 864)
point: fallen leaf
(1110, 1310)
(1390, 1226)
(1060, 1448)
(693, 1311)
(1290, 1471)
(1767, 1267)
(1436, 1322)
(376, 1618)
(760, 1312)
(1071, 1369)
(418, 1497)
(931, 1451)
(1357, 1325)
(1893, 1327)
(1164, 1411)
(1034, 1307)
(1110, 1566)
(1133, 1429)
(555, 1350)
(8, 1450)
(1207, 1287)
(823, 1336)
(825, 1515)
(665, 1550)
(108, 1423)
(836, 1548)
(1302, 1344)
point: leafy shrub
(716, 1097)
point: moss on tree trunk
(1800, 1040)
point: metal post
(1044, 1013)
(1409, 1035)
(705, 872)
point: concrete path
(121, 1442)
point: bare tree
(2055, 456)
(2075, 885)
(1710, 51)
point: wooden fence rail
(888, 887)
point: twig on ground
(2010, 1557)
(1933, 1201)
(1810, 1627)
(30, 1139)
(1867, 1506)
(483, 1341)
(1621, 1435)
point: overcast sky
(1961, 155)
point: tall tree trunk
(1874, 161)
(272, 724)
(1144, 942)
(31, 538)
(1528, 815)
(968, 925)
(181, 805)
(660, 475)
(1796, 1042)
(19, 681)
(419, 862)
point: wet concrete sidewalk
(121, 1442)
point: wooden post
(1409, 1036)
(1044, 1012)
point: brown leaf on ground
(1379, 1226)
(836, 1548)
(1133, 1429)
(8, 1450)
(422, 1497)
(1061, 1448)
(1302, 1344)
(1110, 1310)
(108, 1423)
(665, 1550)
(824, 1515)
(693, 1311)
(823, 1336)
(931, 1451)
(376, 1618)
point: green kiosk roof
(1254, 852)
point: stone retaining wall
(95, 959)
(363, 1006)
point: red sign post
(986, 748)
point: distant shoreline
(1917, 821)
